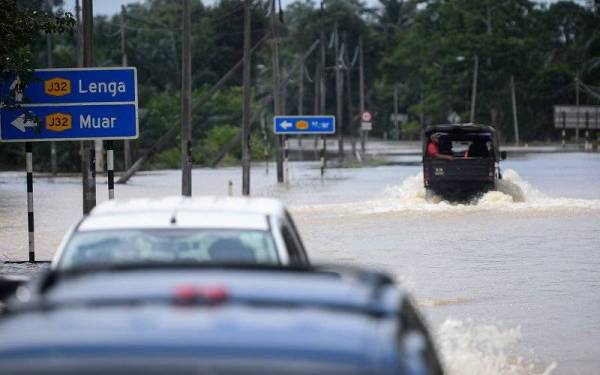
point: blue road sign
(59, 123)
(78, 85)
(304, 124)
(71, 104)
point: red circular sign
(366, 116)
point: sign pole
(30, 228)
(88, 162)
(323, 151)
(304, 125)
(563, 133)
(361, 92)
(286, 148)
(396, 124)
(587, 131)
(110, 169)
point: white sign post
(366, 124)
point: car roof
(240, 333)
(467, 127)
(335, 317)
(184, 212)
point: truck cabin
(448, 142)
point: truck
(469, 164)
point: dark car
(474, 164)
(171, 319)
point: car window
(182, 245)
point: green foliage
(543, 48)
(18, 28)
(427, 48)
(411, 130)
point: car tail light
(192, 294)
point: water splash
(513, 195)
(469, 348)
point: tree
(19, 27)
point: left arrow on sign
(286, 125)
(21, 123)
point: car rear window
(120, 247)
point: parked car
(469, 162)
(214, 319)
(182, 229)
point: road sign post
(69, 105)
(73, 104)
(366, 124)
(299, 125)
(306, 125)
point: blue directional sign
(71, 104)
(304, 124)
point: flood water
(510, 283)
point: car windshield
(122, 247)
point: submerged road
(509, 283)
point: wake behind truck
(467, 163)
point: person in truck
(433, 149)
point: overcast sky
(110, 7)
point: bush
(411, 130)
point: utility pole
(339, 90)
(99, 150)
(514, 106)
(246, 106)
(396, 124)
(421, 114)
(301, 103)
(316, 94)
(88, 162)
(474, 89)
(323, 88)
(276, 87)
(186, 105)
(316, 101)
(79, 35)
(285, 139)
(361, 93)
(126, 146)
(348, 74)
(322, 73)
(577, 105)
(53, 162)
